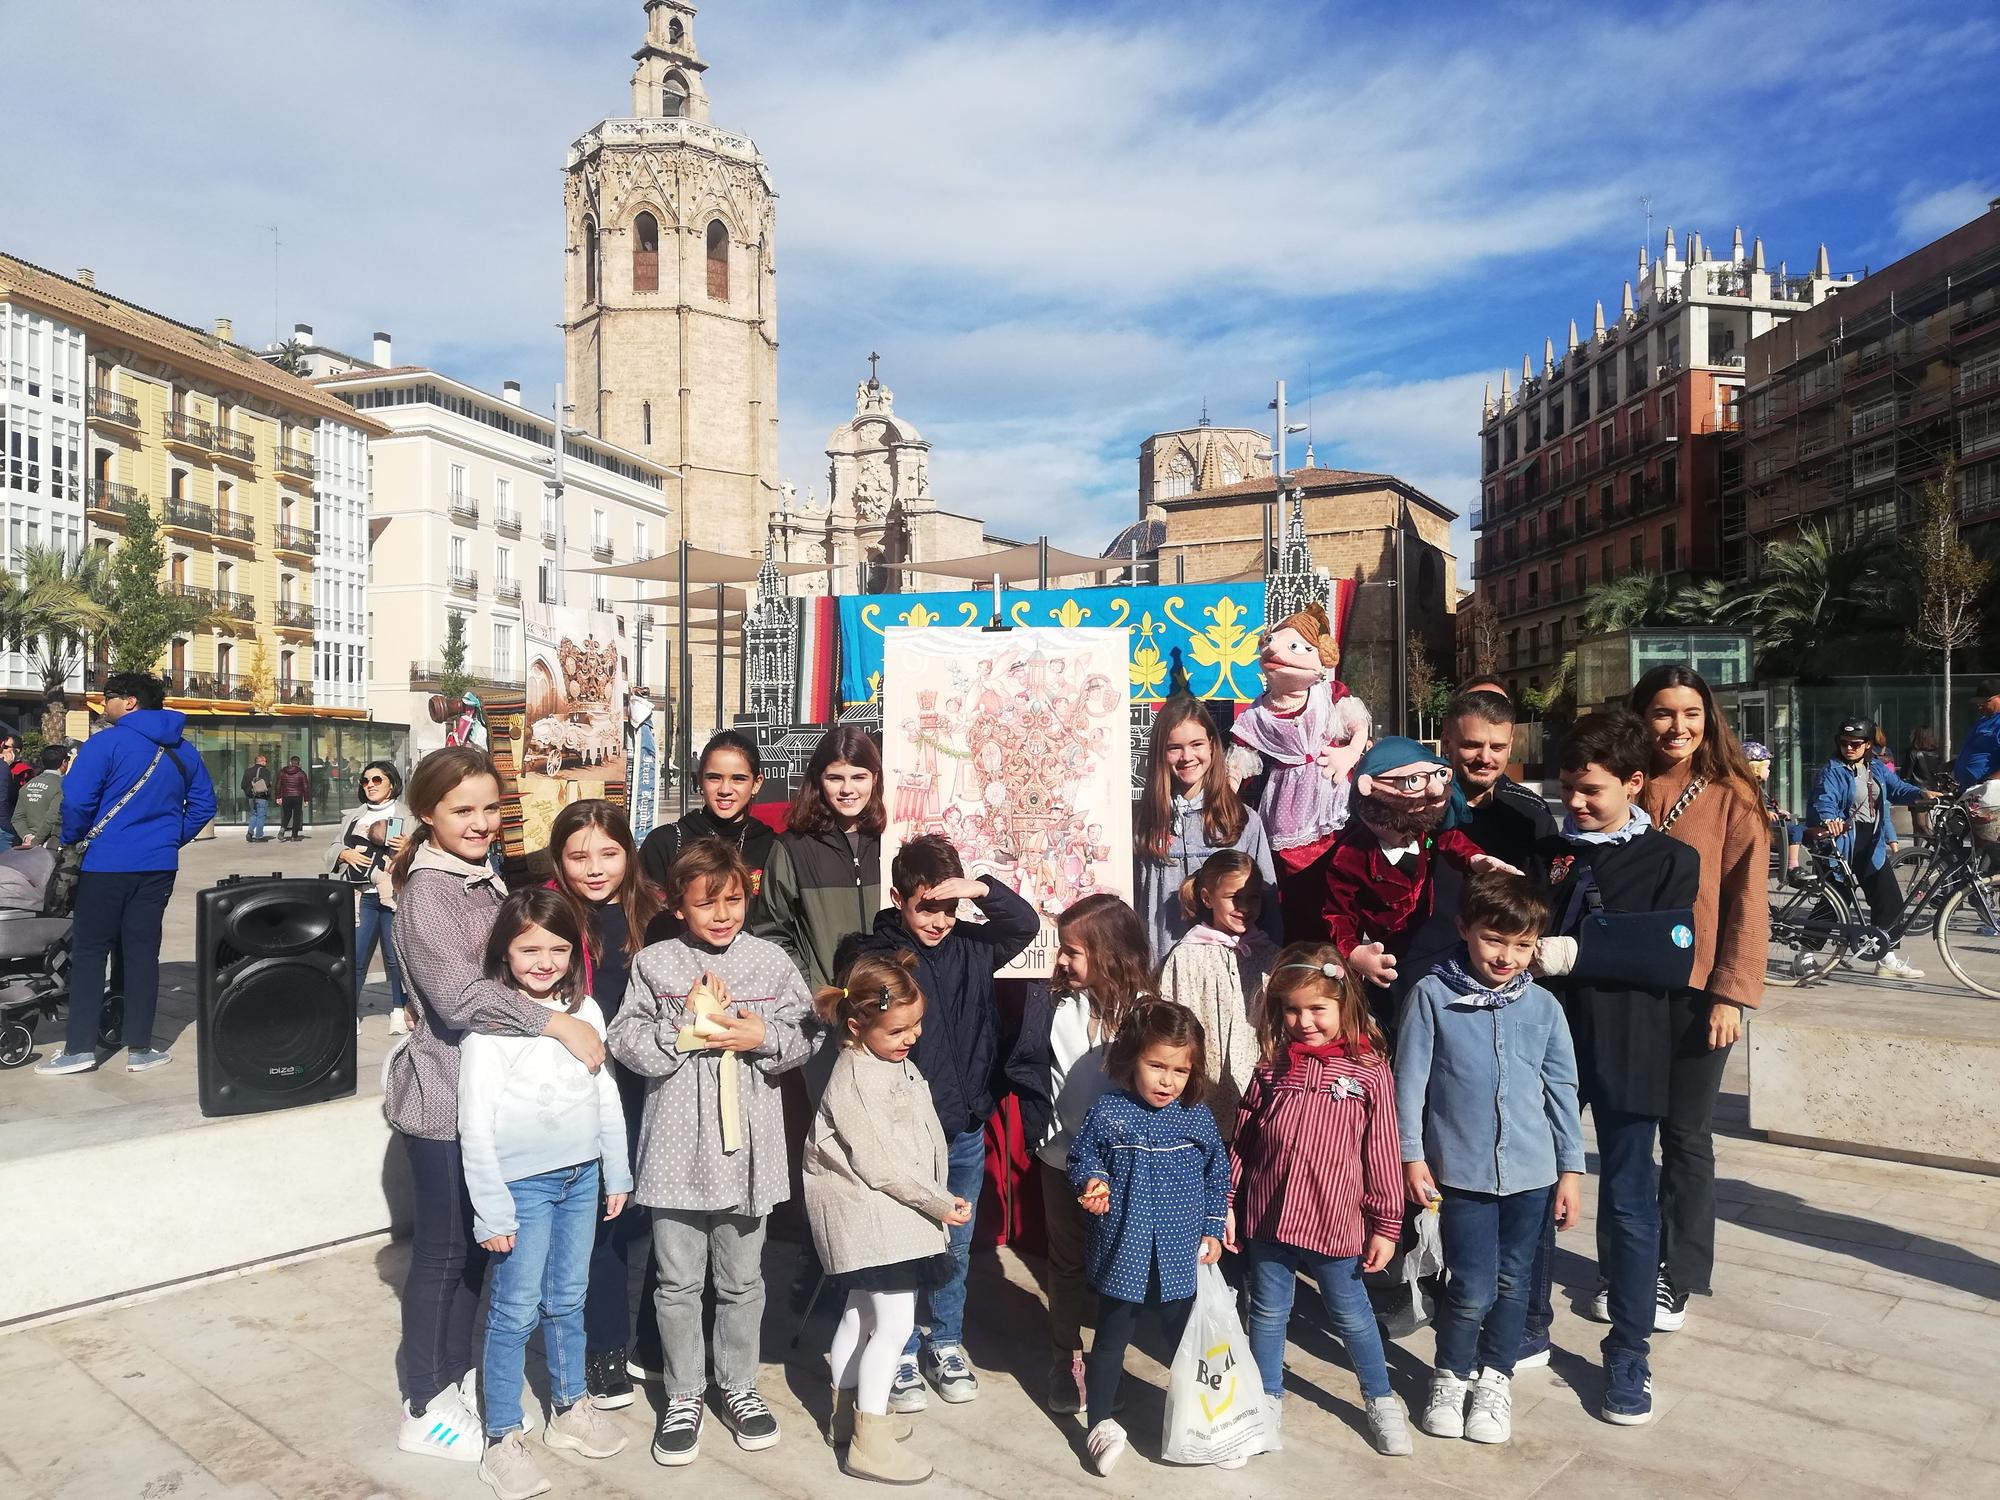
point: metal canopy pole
(718, 658)
(683, 697)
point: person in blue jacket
(1850, 803)
(138, 791)
(1979, 757)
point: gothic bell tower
(670, 293)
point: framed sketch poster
(1014, 746)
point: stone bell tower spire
(667, 83)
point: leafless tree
(1948, 578)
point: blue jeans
(258, 807)
(540, 1281)
(964, 1175)
(1489, 1251)
(1628, 1225)
(1273, 1278)
(121, 909)
(373, 923)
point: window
(503, 564)
(718, 261)
(600, 531)
(641, 541)
(503, 496)
(225, 654)
(1607, 564)
(1669, 547)
(646, 422)
(600, 596)
(589, 260)
(545, 584)
(1877, 460)
(285, 668)
(1979, 428)
(1556, 579)
(225, 493)
(503, 651)
(674, 92)
(645, 254)
(1977, 373)
(458, 564)
(1637, 552)
(457, 482)
(548, 515)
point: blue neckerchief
(1461, 981)
(1636, 824)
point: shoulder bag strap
(133, 791)
(1686, 800)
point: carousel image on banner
(569, 743)
(1014, 746)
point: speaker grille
(279, 1024)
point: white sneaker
(1274, 1422)
(447, 1428)
(1388, 1427)
(1444, 1409)
(510, 1470)
(907, 1392)
(1600, 1304)
(1892, 965)
(1491, 1419)
(1106, 1445)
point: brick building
(1351, 521)
(1607, 461)
(1852, 407)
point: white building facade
(465, 521)
(340, 579)
(42, 417)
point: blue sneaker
(66, 1062)
(1534, 1351)
(145, 1059)
(1628, 1391)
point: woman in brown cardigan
(1703, 792)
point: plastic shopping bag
(1215, 1397)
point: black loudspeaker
(276, 1020)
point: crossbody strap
(1686, 800)
(130, 792)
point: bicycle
(1815, 929)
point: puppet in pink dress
(1310, 730)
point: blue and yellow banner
(1206, 630)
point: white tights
(868, 1344)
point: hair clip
(843, 992)
(1329, 969)
(883, 1002)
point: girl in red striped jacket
(1316, 1177)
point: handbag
(59, 895)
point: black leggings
(447, 1270)
(1117, 1321)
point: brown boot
(875, 1454)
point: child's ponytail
(1197, 888)
(871, 986)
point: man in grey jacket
(38, 810)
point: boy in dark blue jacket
(138, 791)
(959, 1056)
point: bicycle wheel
(1806, 940)
(1904, 866)
(1968, 937)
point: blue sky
(1063, 225)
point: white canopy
(703, 566)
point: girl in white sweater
(536, 1128)
(1217, 970)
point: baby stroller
(34, 960)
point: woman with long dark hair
(824, 881)
(597, 867)
(1702, 791)
(1186, 812)
(368, 838)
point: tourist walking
(1702, 791)
(293, 788)
(257, 788)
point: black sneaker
(677, 1439)
(605, 1378)
(749, 1419)
(1669, 1306)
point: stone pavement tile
(1950, 1213)
(68, 1436)
(1870, 1404)
(27, 1351)
(1957, 1474)
(1986, 1447)
(1775, 1478)
(1768, 1183)
(1610, 1479)
(1786, 1218)
(1756, 1429)
(1928, 1334)
(1946, 1279)
(1662, 1449)
(1731, 1234)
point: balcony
(464, 581)
(426, 676)
(184, 431)
(110, 407)
(236, 528)
(210, 687)
(295, 694)
(507, 590)
(463, 508)
(294, 463)
(509, 521)
(600, 548)
(291, 614)
(236, 447)
(548, 533)
(233, 606)
(188, 516)
(299, 539)
(106, 501)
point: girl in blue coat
(1850, 802)
(1151, 1170)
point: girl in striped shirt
(1316, 1178)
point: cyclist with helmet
(1850, 802)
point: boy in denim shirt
(1487, 1107)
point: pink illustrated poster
(1013, 745)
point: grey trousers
(687, 1247)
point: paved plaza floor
(1852, 1350)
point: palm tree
(49, 612)
(1641, 599)
(1812, 594)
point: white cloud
(1923, 216)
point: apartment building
(467, 522)
(1852, 408)
(1606, 461)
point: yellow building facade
(221, 446)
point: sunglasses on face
(1852, 744)
(372, 780)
